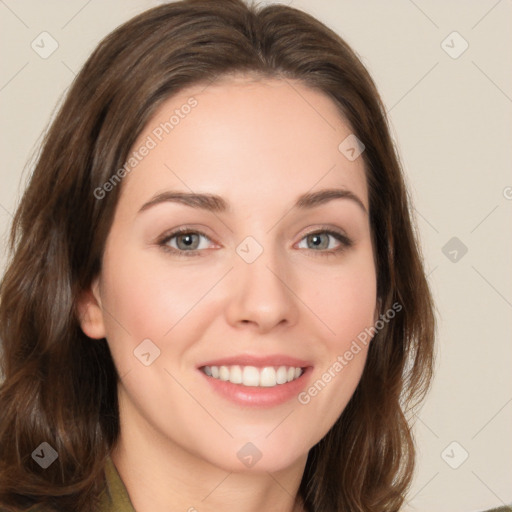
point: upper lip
(258, 361)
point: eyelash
(345, 242)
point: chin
(257, 455)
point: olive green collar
(115, 497)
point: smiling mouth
(267, 377)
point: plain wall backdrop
(444, 72)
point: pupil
(317, 241)
(187, 240)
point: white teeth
(235, 375)
(250, 376)
(269, 376)
(282, 375)
(224, 373)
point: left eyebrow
(313, 199)
(215, 203)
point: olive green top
(115, 497)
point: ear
(90, 313)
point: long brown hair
(60, 387)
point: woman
(216, 299)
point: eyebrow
(215, 203)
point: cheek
(348, 305)
(343, 298)
(143, 301)
(345, 302)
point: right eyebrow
(209, 202)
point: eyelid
(329, 229)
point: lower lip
(256, 396)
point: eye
(320, 241)
(184, 242)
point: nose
(261, 293)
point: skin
(259, 144)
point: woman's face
(260, 282)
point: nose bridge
(261, 263)
(261, 292)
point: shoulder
(113, 498)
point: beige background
(451, 118)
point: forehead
(249, 140)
